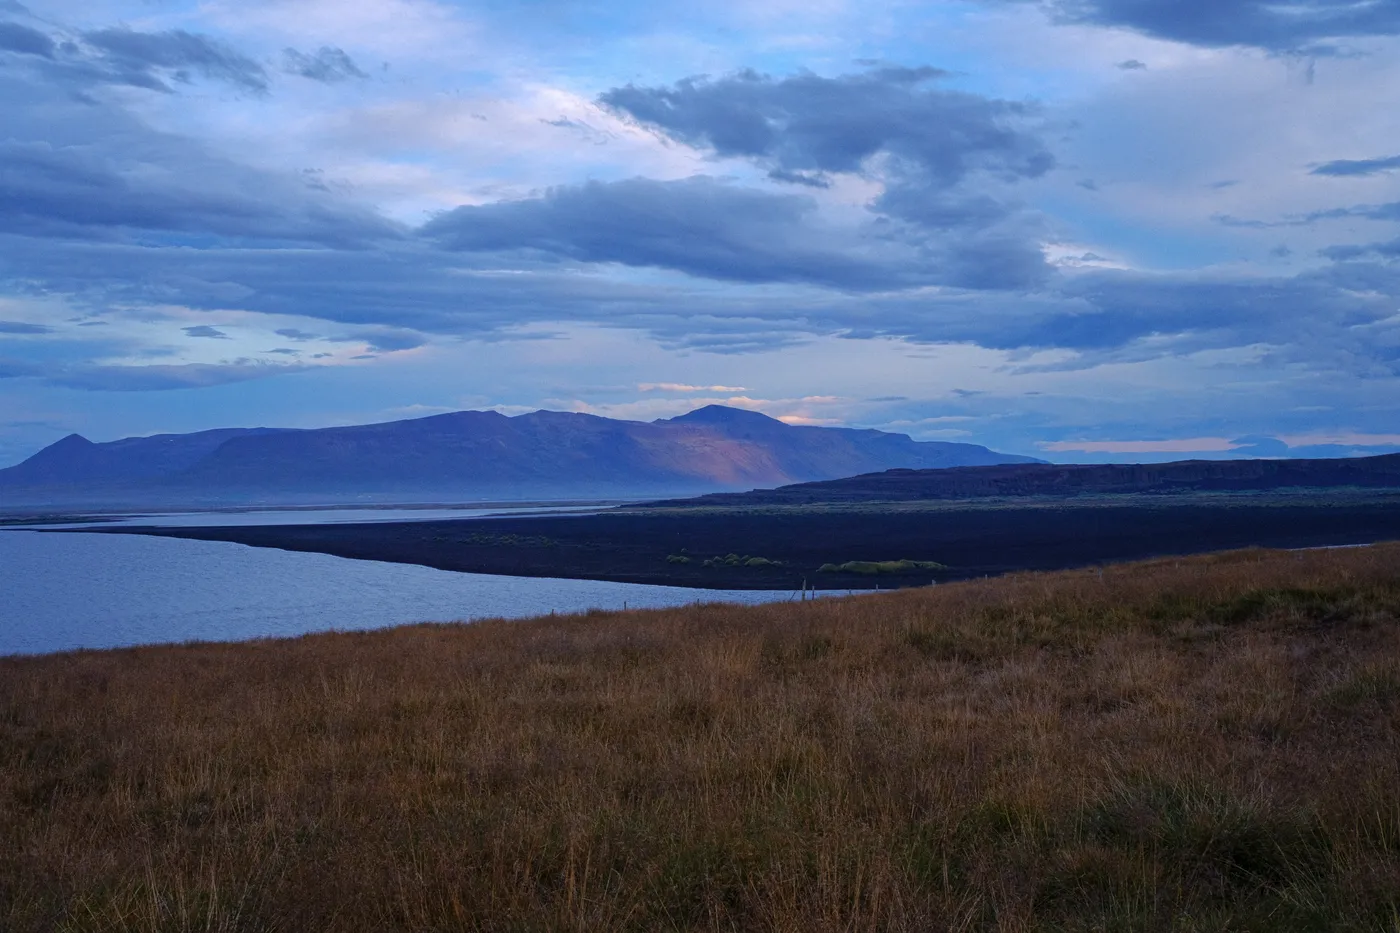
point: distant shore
(784, 548)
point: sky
(1083, 230)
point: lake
(205, 518)
(60, 591)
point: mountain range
(468, 455)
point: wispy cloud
(1172, 446)
(682, 387)
(1345, 167)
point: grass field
(1208, 743)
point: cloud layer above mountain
(1023, 223)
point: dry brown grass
(1203, 744)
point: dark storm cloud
(204, 330)
(26, 41)
(146, 56)
(1265, 24)
(809, 124)
(1358, 166)
(328, 65)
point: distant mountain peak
(74, 445)
(723, 414)
(472, 454)
(71, 442)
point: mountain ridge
(1054, 479)
(469, 453)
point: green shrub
(874, 567)
(735, 560)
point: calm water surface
(73, 590)
(207, 518)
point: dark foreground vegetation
(1210, 743)
(833, 545)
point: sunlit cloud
(1345, 438)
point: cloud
(159, 378)
(1346, 167)
(387, 340)
(204, 330)
(11, 368)
(712, 229)
(1096, 313)
(699, 225)
(25, 41)
(72, 166)
(1383, 212)
(19, 327)
(99, 207)
(1131, 64)
(329, 65)
(1173, 446)
(1310, 444)
(682, 387)
(806, 125)
(1387, 249)
(799, 178)
(1265, 24)
(944, 159)
(1341, 438)
(810, 123)
(145, 55)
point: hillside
(1199, 744)
(1048, 479)
(475, 453)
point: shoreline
(774, 551)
